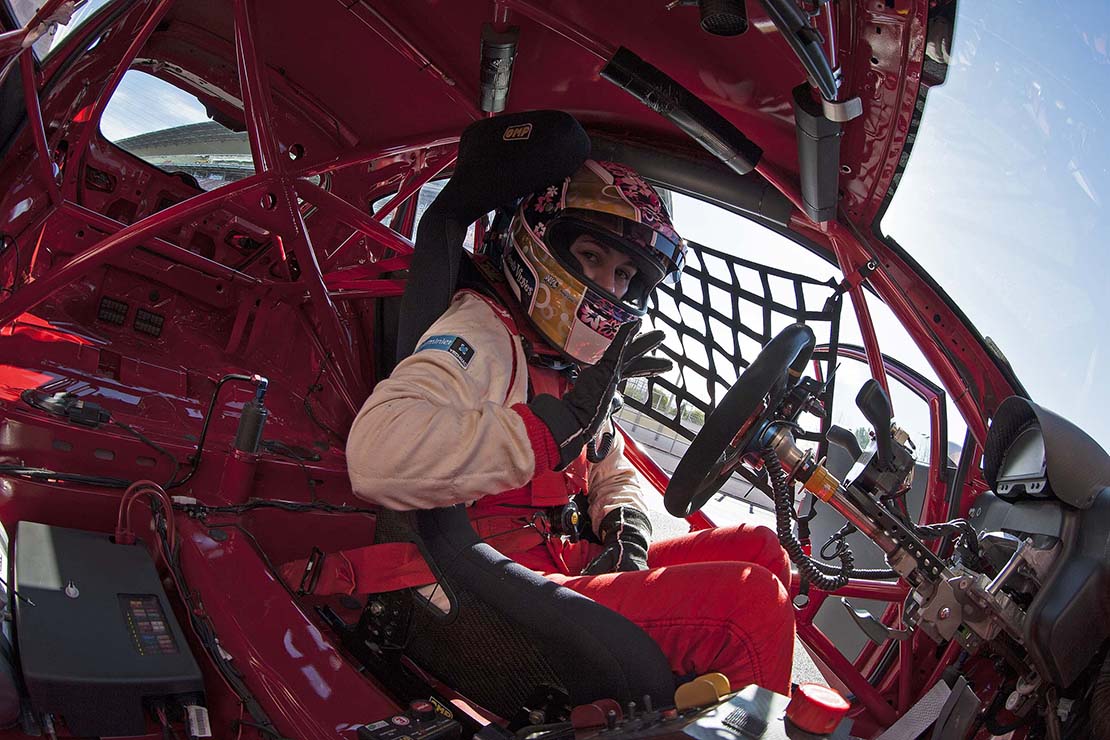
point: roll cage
(323, 291)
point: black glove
(575, 418)
(637, 365)
(625, 534)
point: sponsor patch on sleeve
(455, 346)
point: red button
(817, 709)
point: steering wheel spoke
(728, 433)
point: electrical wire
(34, 398)
(294, 506)
(43, 475)
(806, 565)
(160, 450)
(204, 631)
(315, 388)
(194, 460)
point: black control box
(96, 634)
(423, 720)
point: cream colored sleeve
(613, 482)
(441, 430)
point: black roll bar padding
(712, 181)
(655, 89)
(818, 156)
(806, 43)
(498, 51)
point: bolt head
(945, 613)
(377, 608)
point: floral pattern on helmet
(602, 315)
(643, 198)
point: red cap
(817, 709)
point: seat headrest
(500, 160)
(507, 157)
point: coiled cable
(810, 569)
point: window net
(717, 318)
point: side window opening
(170, 129)
(743, 287)
(23, 10)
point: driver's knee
(771, 555)
(745, 543)
(753, 607)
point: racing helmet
(617, 207)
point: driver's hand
(638, 364)
(575, 419)
(625, 535)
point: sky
(1006, 198)
(143, 103)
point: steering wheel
(724, 438)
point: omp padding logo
(517, 133)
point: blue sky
(1005, 199)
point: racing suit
(450, 426)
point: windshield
(1004, 199)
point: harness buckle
(311, 575)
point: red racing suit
(450, 425)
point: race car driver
(505, 406)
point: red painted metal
(864, 692)
(347, 214)
(12, 43)
(256, 92)
(44, 162)
(399, 42)
(905, 670)
(31, 295)
(933, 327)
(416, 180)
(848, 266)
(265, 149)
(369, 289)
(72, 174)
(934, 508)
(160, 246)
(405, 147)
(879, 590)
(549, 20)
(305, 685)
(406, 119)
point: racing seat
(508, 631)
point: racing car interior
(192, 313)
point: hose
(810, 569)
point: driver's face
(610, 269)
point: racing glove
(574, 419)
(625, 535)
(637, 363)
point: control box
(96, 634)
(421, 721)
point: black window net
(717, 318)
